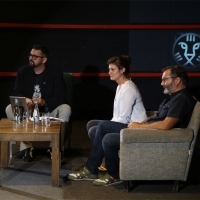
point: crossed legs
(106, 143)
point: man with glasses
(174, 112)
(44, 84)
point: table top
(8, 126)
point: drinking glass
(45, 119)
(25, 116)
(29, 113)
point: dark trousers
(106, 143)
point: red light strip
(101, 26)
(88, 26)
(8, 73)
(135, 74)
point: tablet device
(22, 103)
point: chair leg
(176, 187)
(62, 152)
(128, 185)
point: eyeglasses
(34, 57)
(166, 78)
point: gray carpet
(33, 181)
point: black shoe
(49, 153)
(28, 157)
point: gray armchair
(149, 154)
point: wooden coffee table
(27, 131)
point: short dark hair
(123, 61)
(42, 48)
(178, 71)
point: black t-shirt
(52, 87)
(39, 78)
(38, 91)
(179, 105)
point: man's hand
(29, 103)
(134, 125)
(40, 101)
(166, 124)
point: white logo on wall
(186, 50)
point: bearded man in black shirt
(44, 84)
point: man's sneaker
(107, 180)
(28, 157)
(49, 154)
(83, 174)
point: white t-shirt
(128, 102)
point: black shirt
(53, 89)
(179, 105)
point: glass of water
(45, 119)
(25, 116)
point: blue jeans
(91, 128)
(106, 143)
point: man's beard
(166, 91)
(32, 64)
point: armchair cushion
(142, 135)
(144, 150)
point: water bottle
(36, 113)
(16, 112)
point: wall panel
(143, 29)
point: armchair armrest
(144, 135)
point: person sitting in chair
(44, 84)
(174, 112)
(128, 101)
